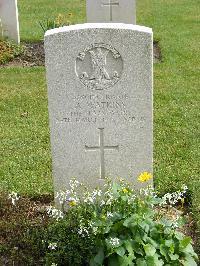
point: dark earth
(33, 55)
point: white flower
(61, 196)
(114, 241)
(73, 183)
(97, 192)
(102, 203)
(95, 229)
(53, 264)
(83, 231)
(14, 197)
(109, 214)
(184, 188)
(55, 213)
(52, 246)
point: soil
(33, 55)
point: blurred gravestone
(123, 11)
(9, 19)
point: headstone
(100, 102)
(9, 19)
(123, 11)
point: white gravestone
(123, 11)
(9, 19)
(100, 102)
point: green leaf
(131, 220)
(185, 242)
(137, 248)
(164, 251)
(179, 235)
(189, 261)
(113, 261)
(99, 258)
(173, 256)
(145, 226)
(128, 246)
(149, 250)
(154, 261)
(189, 250)
(141, 262)
(126, 261)
(120, 251)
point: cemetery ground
(25, 147)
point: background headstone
(100, 102)
(9, 19)
(123, 11)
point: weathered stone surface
(9, 24)
(100, 101)
(123, 11)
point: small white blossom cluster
(54, 264)
(14, 197)
(62, 196)
(109, 197)
(55, 213)
(149, 191)
(52, 246)
(91, 197)
(73, 183)
(114, 241)
(173, 198)
(109, 214)
(93, 227)
(83, 229)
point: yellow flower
(144, 177)
(125, 190)
(72, 203)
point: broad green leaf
(164, 251)
(141, 262)
(149, 250)
(173, 256)
(179, 235)
(189, 261)
(189, 250)
(184, 242)
(113, 261)
(126, 261)
(131, 220)
(137, 248)
(128, 246)
(120, 251)
(154, 261)
(99, 258)
(144, 226)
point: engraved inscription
(99, 66)
(102, 149)
(100, 109)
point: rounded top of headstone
(119, 26)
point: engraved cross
(111, 4)
(102, 149)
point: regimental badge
(99, 66)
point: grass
(31, 12)
(26, 163)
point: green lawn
(33, 11)
(26, 163)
